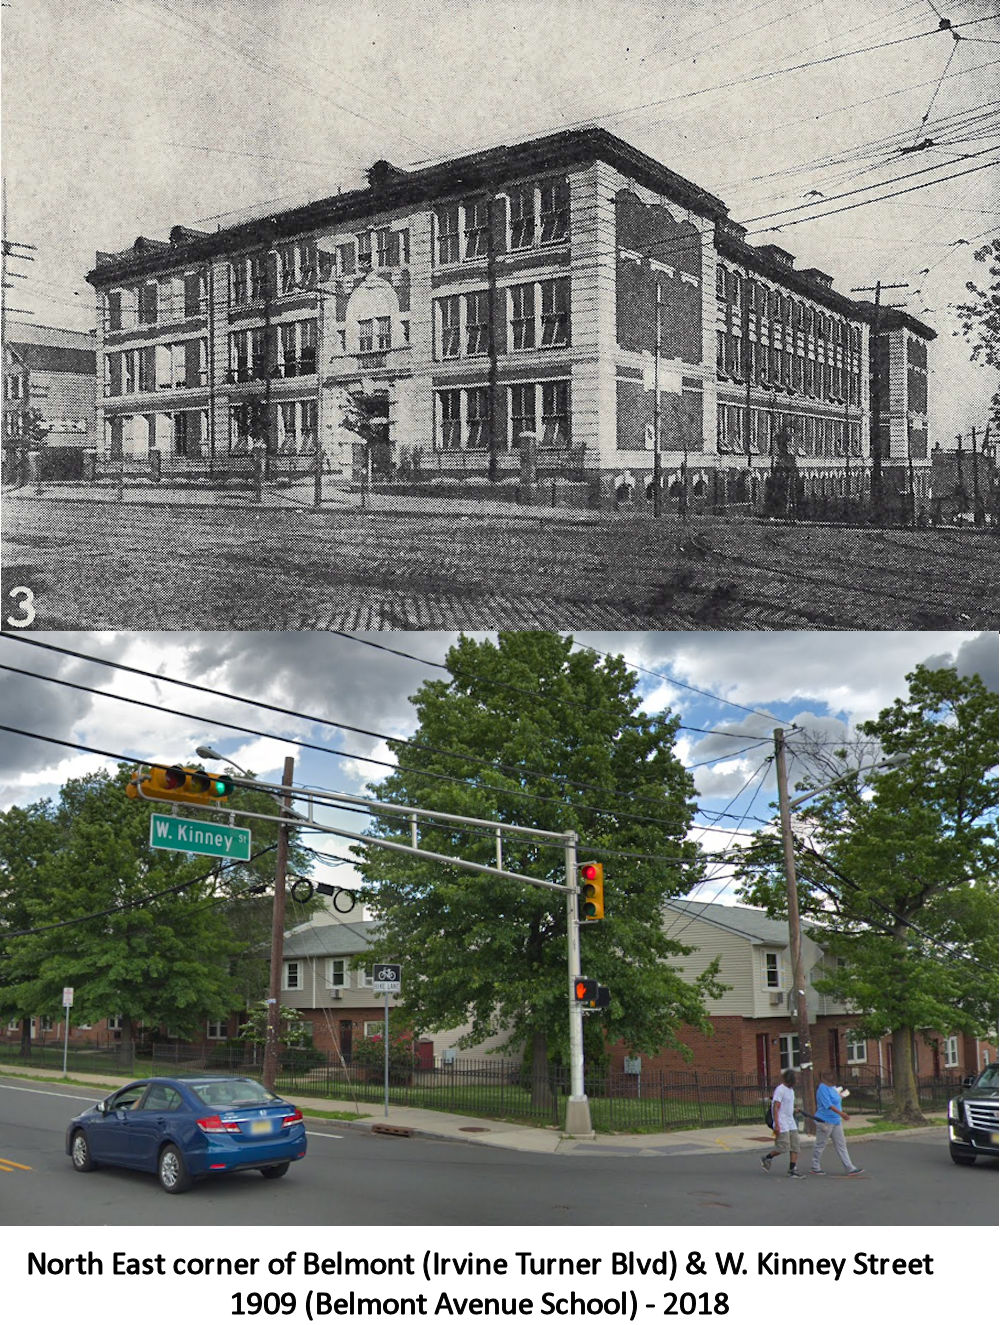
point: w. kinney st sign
(171, 833)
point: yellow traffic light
(591, 884)
(190, 786)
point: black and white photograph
(548, 314)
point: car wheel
(80, 1152)
(275, 1171)
(957, 1158)
(172, 1171)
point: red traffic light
(591, 885)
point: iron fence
(493, 1088)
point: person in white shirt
(786, 1136)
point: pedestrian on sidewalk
(830, 1119)
(786, 1136)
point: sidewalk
(297, 497)
(402, 1122)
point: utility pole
(272, 1042)
(977, 507)
(7, 247)
(875, 425)
(657, 474)
(795, 933)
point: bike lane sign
(386, 978)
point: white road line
(331, 1136)
(58, 1094)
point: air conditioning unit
(777, 997)
(336, 993)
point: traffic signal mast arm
(578, 1110)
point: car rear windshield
(236, 1093)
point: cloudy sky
(124, 117)
(730, 689)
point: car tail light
(213, 1123)
(294, 1117)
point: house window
(449, 405)
(449, 331)
(216, 1030)
(147, 302)
(296, 266)
(114, 1023)
(477, 219)
(374, 1029)
(47, 1026)
(366, 335)
(522, 316)
(857, 1047)
(477, 322)
(447, 234)
(383, 247)
(365, 978)
(293, 976)
(114, 307)
(950, 1051)
(477, 418)
(336, 973)
(383, 333)
(772, 970)
(555, 414)
(365, 251)
(788, 1051)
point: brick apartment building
(49, 377)
(495, 310)
(754, 1030)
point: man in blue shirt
(830, 1119)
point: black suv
(972, 1117)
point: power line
(513, 792)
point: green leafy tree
(148, 939)
(569, 748)
(979, 317)
(901, 884)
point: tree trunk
(541, 1088)
(25, 1037)
(905, 1107)
(127, 1044)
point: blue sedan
(182, 1128)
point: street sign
(171, 833)
(386, 978)
(67, 996)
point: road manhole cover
(473, 1129)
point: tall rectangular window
(366, 335)
(449, 403)
(477, 322)
(857, 1047)
(555, 312)
(447, 234)
(383, 333)
(365, 250)
(555, 413)
(449, 333)
(772, 970)
(477, 217)
(788, 1051)
(522, 412)
(477, 400)
(553, 198)
(522, 217)
(522, 316)
(147, 302)
(383, 247)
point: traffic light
(585, 992)
(591, 885)
(190, 786)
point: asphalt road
(353, 1178)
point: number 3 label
(27, 607)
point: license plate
(263, 1125)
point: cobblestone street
(132, 566)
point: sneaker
(853, 1173)
(765, 1163)
(817, 1173)
(794, 1173)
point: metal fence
(490, 1088)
